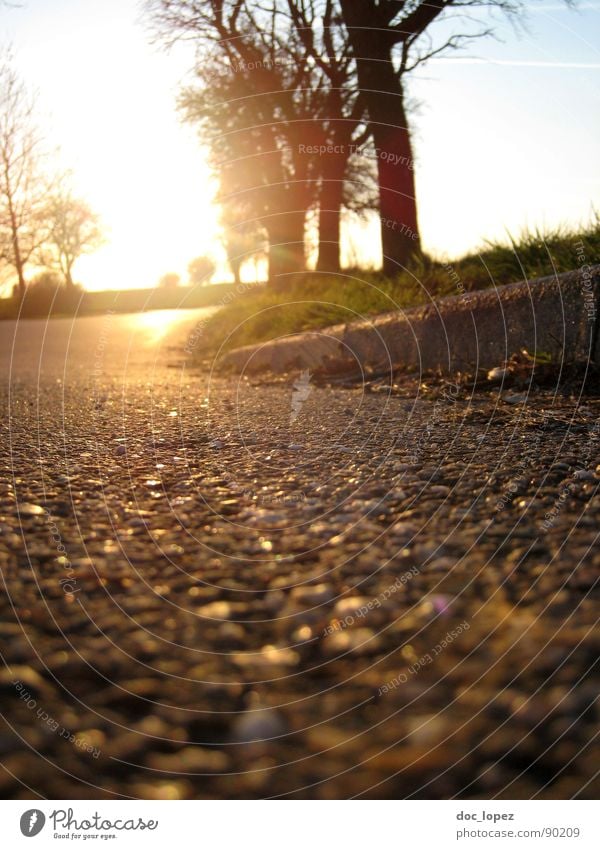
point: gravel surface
(213, 589)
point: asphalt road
(219, 589)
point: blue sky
(506, 135)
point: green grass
(316, 300)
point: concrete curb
(479, 330)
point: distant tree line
(302, 106)
(200, 270)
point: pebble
(350, 606)
(438, 490)
(313, 594)
(261, 725)
(192, 759)
(439, 604)
(268, 657)
(358, 641)
(30, 509)
(216, 610)
(497, 375)
(31, 681)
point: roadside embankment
(551, 316)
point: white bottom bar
(300, 824)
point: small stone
(267, 658)
(438, 604)
(351, 606)
(163, 791)
(30, 509)
(427, 731)
(442, 564)
(438, 490)
(216, 610)
(359, 641)
(497, 375)
(120, 450)
(313, 594)
(585, 475)
(192, 759)
(231, 635)
(24, 681)
(521, 398)
(263, 724)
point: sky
(506, 135)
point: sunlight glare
(154, 325)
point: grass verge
(315, 300)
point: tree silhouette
(73, 229)
(389, 39)
(200, 270)
(278, 110)
(23, 188)
(170, 280)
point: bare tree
(255, 111)
(73, 230)
(22, 186)
(339, 113)
(389, 39)
(278, 112)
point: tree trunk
(383, 96)
(19, 265)
(397, 201)
(20, 275)
(286, 246)
(330, 213)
